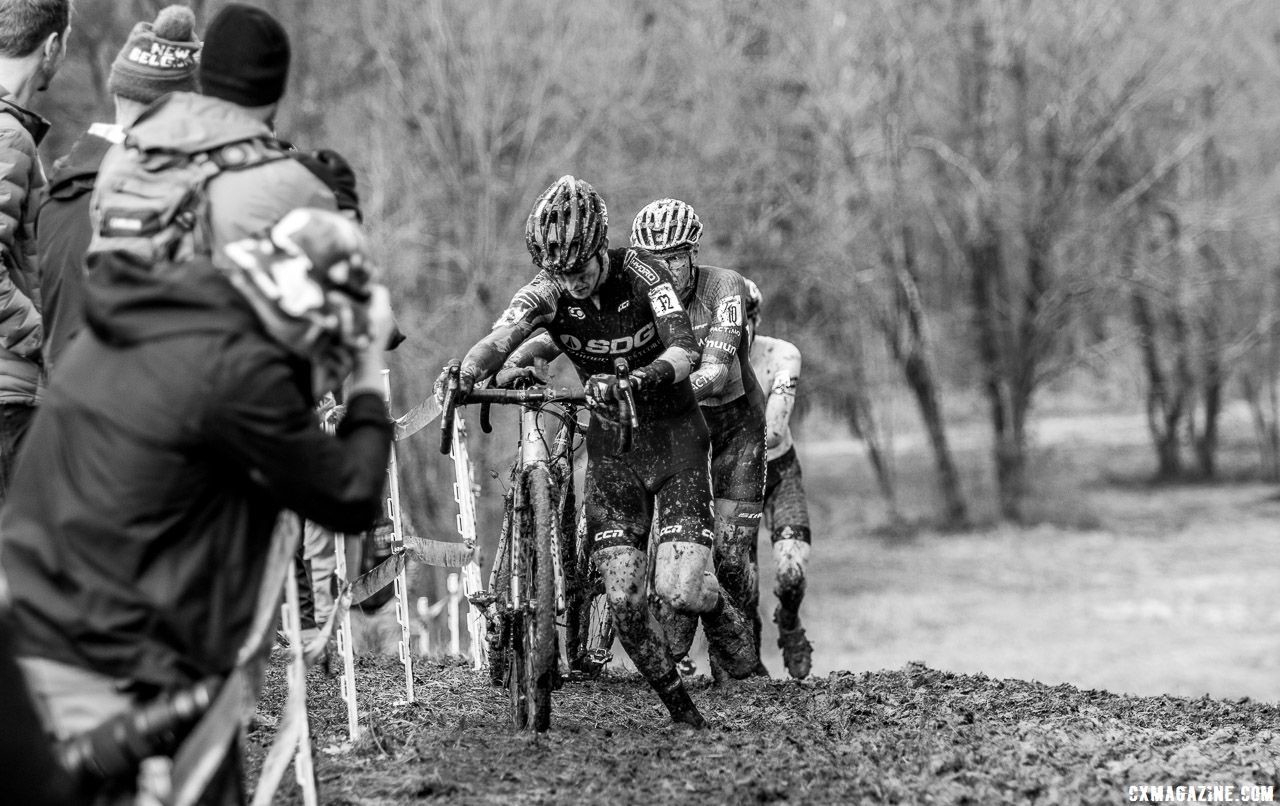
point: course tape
(206, 747)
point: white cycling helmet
(665, 225)
(753, 301)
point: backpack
(154, 207)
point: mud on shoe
(797, 652)
(731, 641)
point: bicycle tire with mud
(539, 633)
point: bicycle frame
(524, 624)
(534, 451)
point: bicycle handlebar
(537, 394)
(533, 395)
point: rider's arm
(652, 280)
(782, 391)
(720, 349)
(264, 423)
(539, 347)
(531, 307)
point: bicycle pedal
(600, 658)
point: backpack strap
(237, 156)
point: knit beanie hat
(246, 56)
(158, 57)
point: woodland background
(958, 209)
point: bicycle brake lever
(449, 406)
(630, 419)
(485, 425)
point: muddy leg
(683, 580)
(791, 556)
(736, 531)
(623, 569)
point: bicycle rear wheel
(537, 631)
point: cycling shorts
(666, 467)
(737, 449)
(786, 513)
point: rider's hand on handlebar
(519, 377)
(603, 397)
(465, 382)
(643, 378)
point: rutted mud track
(915, 735)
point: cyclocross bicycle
(541, 567)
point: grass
(1123, 585)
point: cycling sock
(676, 697)
(679, 628)
(790, 592)
(730, 639)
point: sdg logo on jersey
(664, 300)
(619, 346)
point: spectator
(23, 745)
(33, 44)
(244, 67)
(181, 423)
(159, 57)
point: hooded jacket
(142, 510)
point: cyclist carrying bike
(777, 365)
(599, 304)
(731, 400)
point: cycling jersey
(777, 366)
(715, 305)
(638, 317)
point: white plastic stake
(455, 596)
(303, 768)
(464, 494)
(397, 529)
(345, 650)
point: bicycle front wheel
(539, 627)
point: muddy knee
(623, 570)
(683, 577)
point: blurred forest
(941, 200)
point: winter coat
(145, 497)
(22, 182)
(62, 235)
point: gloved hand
(465, 382)
(333, 416)
(603, 396)
(519, 377)
(643, 378)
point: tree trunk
(920, 379)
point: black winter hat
(246, 57)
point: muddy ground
(916, 735)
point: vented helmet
(568, 226)
(665, 225)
